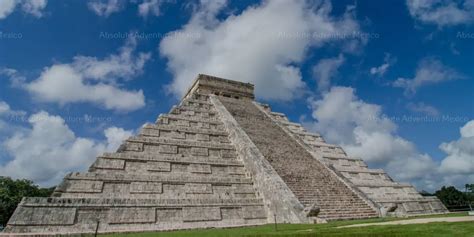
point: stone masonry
(218, 159)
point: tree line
(11, 193)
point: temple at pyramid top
(218, 159)
(205, 84)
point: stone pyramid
(218, 159)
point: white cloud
(49, 149)
(33, 7)
(106, 7)
(8, 115)
(442, 12)
(364, 131)
(88, 79)
(429, 71)
(460, 153)
(325, 70)
(149, 7)
(262, 45)
(7, 7)
(123, 65)
(4, 108)
(115, 137)
(382, 69)
(423, 108)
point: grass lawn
(302, 230)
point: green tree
(470, 188)
(11, 193)
(450, 196)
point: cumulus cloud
(262, 45)
(442, 12)
(32, 7)
(382, 69)
(364, 131)
(106, 7)
(7, 115)
(150, 7)
(49, 149)
(115, 136)
(460, 153)
(457, 168)
(423, 108)
(429, 71)
(325, 70)
(88, 79)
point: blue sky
(77, 77)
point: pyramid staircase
(391, 197)
(307, 177)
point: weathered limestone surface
(307, 177)
(391, 197)
(218, 159)
(182, 172)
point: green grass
(307, 230)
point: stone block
(150, 132)
(146, 187)
(192, 188)
(158, 166)
(43, 216)
(201, 214)
(228, 154)
(412, 206)
(181, 122)
(214, 152)
(168, 149)
(202, 137)
(231, 213)
(84, 186)
(114, 164)
(133, 146)
(169, 214)
(254, 212)
(200, 168)
(199, 151)
(437, 205)
(131, 215)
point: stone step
(202, 111)
(154, 190)
(195, 101)
(321, 144)
(379, 183)
(165, 118)
(337, 156)
(347, 217)
(198, 96)
(178, 142)
(306, 176)
(181, 135)
(116, 202)
(156, 168)
(168, 127)
(358, 169)
(172, 158)
(161, 178)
